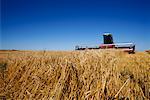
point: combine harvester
(109, 44)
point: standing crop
(95, 74)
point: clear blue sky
(62, 24)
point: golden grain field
(75, 75)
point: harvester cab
(108, 39)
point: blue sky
(62, 24)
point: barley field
(75, 75)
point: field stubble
(95, 74)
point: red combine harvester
(109, 44)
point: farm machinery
(108, 43)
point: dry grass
(97, 75)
